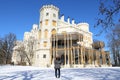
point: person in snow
(57, 63)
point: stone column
(65, 48)
(56, 39)
(51, 54)
(96, 61)
(71, 49)
(109, 60)
(84, 55)
(53, 49)
(81, 50)
(68, 49)
(103, 58)
(74, 54)
(89, 61)
(78, 55)
(98, 58)
(92, 57)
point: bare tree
(9, 41)
(109, 16)
(109, 10)
(114, 44)
(25, 51)
(20, 52)
(6, 47)
(30, 49)
(1, 51)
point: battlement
(48, 7)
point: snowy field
(35, 73)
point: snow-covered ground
(36, 73)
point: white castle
(56, 37)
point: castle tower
(48, 23)
(48, 26)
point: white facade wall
(61, 26)
(40, 60)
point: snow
(36, 73)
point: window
(47, 14)
(45, 44)
(44, 56)
(40, 23)
(54, 15)
(37, 56)
(46, 22)
(53, 31)
(46, 33)
(81, 38)
(54, 23)
(39, 34)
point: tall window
(37, 56)
(53, 31)
(39, 34)
(54, 15)
(44, 55)
(45, 44)
(47, 14)
(40, 23)
(46, 22)
(46, 33)
(54, 23)
(81, 38)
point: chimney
(62, 18)
(68, 20)
(73, 21)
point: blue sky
(18, 16)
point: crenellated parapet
(48, 7)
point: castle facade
(56, 37)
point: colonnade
(72, 54)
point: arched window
(40, 23)
(46, 22)
(54, 15)
(46, 33)
(53, 31)
(39, 34)
(54, 23)
(47, 14)
(45, 43)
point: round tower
(48, 22)
(48, 26)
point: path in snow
(35, 73)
